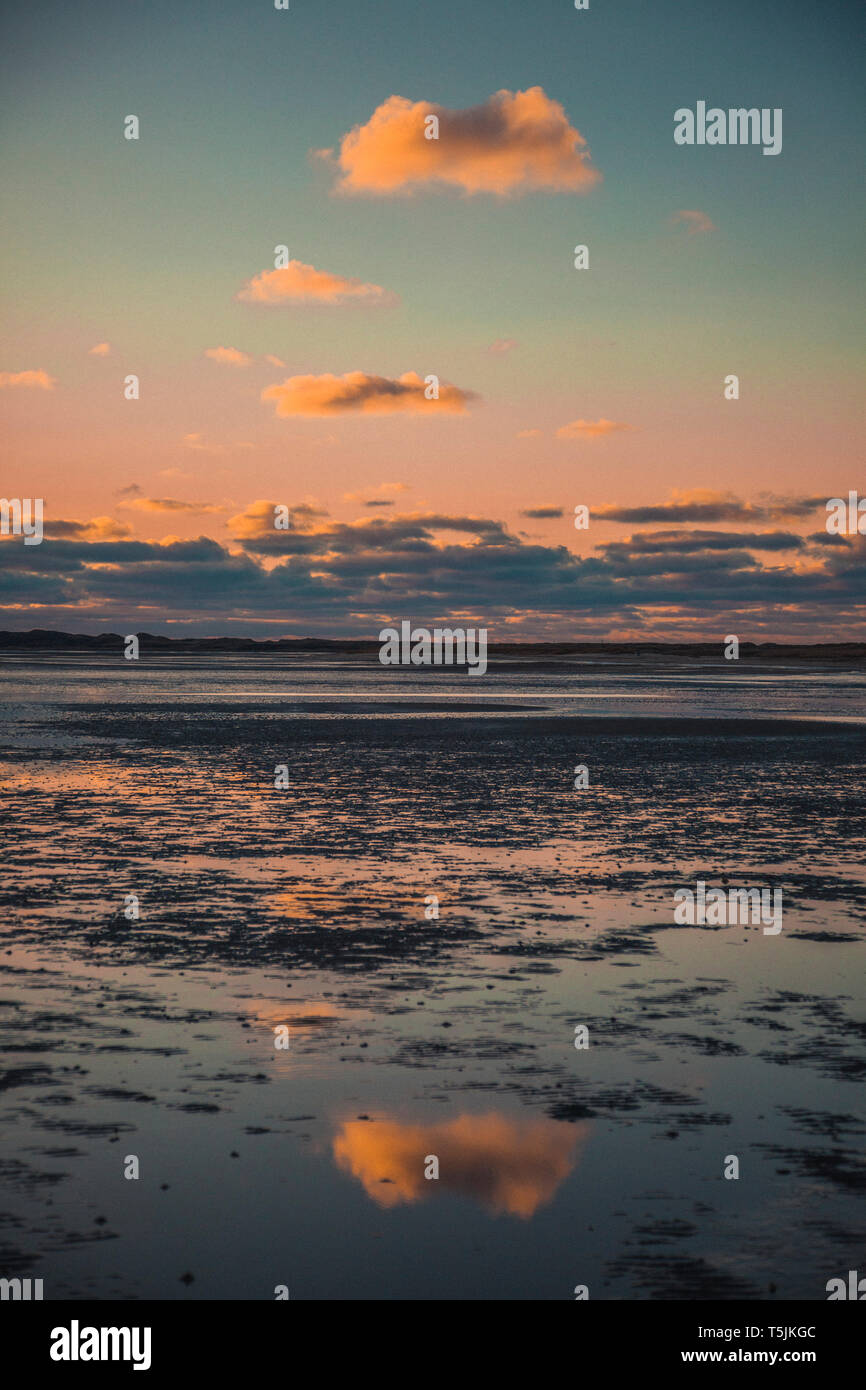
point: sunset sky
(304, 386)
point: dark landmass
(46, 639)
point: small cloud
(169, 504)
(274, 361)
(513, 143)
(309, 509)
(502, 345)
(132, 491)
(258, 518)
(387, 493)
(693, 221)
(101, 528)
(528, 434)
(825, 538)
(198, 444)
(543, 513)
(590, 429)
(701, 504)
(196, 441)
(31, 380)
(100, 350)
(298, 283)
(364, 394)
(229, 357)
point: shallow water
(612, 685)
(411, 1037)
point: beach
(429, 910)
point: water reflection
(508, 1165)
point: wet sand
(411, 1037)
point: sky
(298, 381)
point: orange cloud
(230, 357)
(502, 345)
(298, 283)
(528, 434)
(198, 443)
(508, 1165)
(513, 143)
(368, 395)
(100, 528)
(694, 221)
(590, 429)
(38, 379)
(100, 350)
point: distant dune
(48, 639)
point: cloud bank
(331, 577)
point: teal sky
(232, 96)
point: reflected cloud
(300, 1016)
(508, 1165)
(309, 903)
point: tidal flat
(411, 1034)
